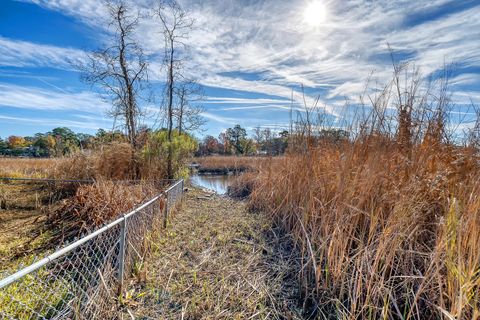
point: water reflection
(217, 183)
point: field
(244, 160)
(218, 260)
(21, 220)
(26, 167)
(21, 209)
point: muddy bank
(221, 171)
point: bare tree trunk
(130, 112)
(180, 111)
(170, 112)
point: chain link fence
(84, 279)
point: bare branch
(120, 69)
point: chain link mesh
(83, 280)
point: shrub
(155, 153)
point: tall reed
(388, 220)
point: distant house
(23, 152)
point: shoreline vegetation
(223, 165)
(372, 224)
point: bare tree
(176, 26)
(120, 69)
(188, 112)
(258, 137)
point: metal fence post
(165, 213)
(121, 254)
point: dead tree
(188, 113)
(176, 26)
(119, 69)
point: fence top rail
(79, 181)
(57, 254)
(179, 181)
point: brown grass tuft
(242, 186)
(114, 161)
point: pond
(217, 183)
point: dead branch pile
(94, 205)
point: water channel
(217, 183)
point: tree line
(235, 141)
(264, 141)
(63, 141)
(58, 142)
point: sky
(251, 56)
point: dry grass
(114, 161)
(216, 260)
(242, 186)
(36, 216)
(386, 235)
(23, 211)
(18, 227)
(388, 219)
(24, 168)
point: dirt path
(217, 260)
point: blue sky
(248, 55)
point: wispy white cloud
(17, 53)
(465, 79)
(273, 106)
(91, 12)
(269, 37)
(90, 124)
(42, 99)
(247, 123)
(222, 100)
(466, 97)
(219, 119)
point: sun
(315, 13)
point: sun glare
(315, 13)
